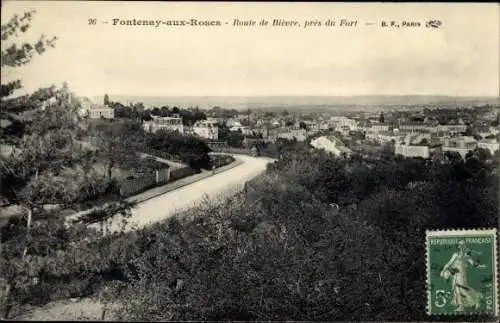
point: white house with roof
(462, 144)
(410, 151)
(95, 111)
(233, 122)
(451, 129)
(379, 128)
(411, 146)
(489, 144)
(382, 137)
(291, 134)
(344, 122)
(98, 112)
(331, 145)
(207, 129)
(173, 123)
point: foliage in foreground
(280, 251)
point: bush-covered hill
(279, 251)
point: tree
(235, 139)
(17, 170)
(190, 117)
(147, 115)
(16, 55)
(106, 99)
(381, 119)
(48, 164)
(13, 56)
(302, 125)
(189, 149)
(118, 143)
(217, 110)
(483, 154)
(44, 156)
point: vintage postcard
(249, 161)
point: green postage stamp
(462, 272)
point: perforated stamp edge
(460, 232)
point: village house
(332, 145)
(382, 137)
(94, 111)
(233, 122)
(342, 123)
(489, 144)
(413, 145)
(414, 127)
(207, 129)
(380, 128)
(243, 129)
(262, 131)
(487, 113)
(291, 134)
(452, 130)
(486, 131)
(461, 144)
(410, 151)
(312, 125)
(324, 126)
(173, 123)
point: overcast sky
(459, 59)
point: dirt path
(217, 186)
(148, 212)
(85, 309)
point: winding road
(219, 185)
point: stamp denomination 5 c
(462, 272)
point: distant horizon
(301, 95)
(239, 102)
(453, 60)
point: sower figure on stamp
(463, 295)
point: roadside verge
(160, 190)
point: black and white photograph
(249, 161)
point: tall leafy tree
(38, 171)
(118, 143)
(47, 164)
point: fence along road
(219, 185)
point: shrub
(278, 251)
